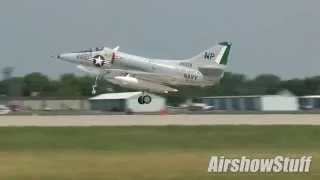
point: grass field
(141, 153)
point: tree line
(72, 86)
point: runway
(164, 120)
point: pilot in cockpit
(99, 49)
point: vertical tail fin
(217, 54)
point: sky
(268, 37)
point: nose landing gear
(145, 99)
(93, 92)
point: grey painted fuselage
(205, 69)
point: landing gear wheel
(147, 99)
(140, 100)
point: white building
(279, 102)
(126, 102)
(49, 103)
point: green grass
(145, 139)
(141, 153)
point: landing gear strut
(95, 85)
(145, 99)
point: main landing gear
(144, 99)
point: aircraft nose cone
(67, 57)
(62, 56)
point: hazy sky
(269, 36)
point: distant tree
(52, 89)
(312, 85)
(69, 86)
(266, 84)
(231, 84)
(15, 87)
(67, 90)
(69, 78)
(85, 83)
(35, 82)
(3, 88)
(296, 86)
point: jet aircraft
(150, 74)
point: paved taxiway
(157, 120)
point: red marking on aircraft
(114, 57)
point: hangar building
(280, 102)
(126, 102)
(310, 102)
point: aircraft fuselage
(204, 69)
(180, 74)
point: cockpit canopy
(93, 49)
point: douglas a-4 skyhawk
(152, 75)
